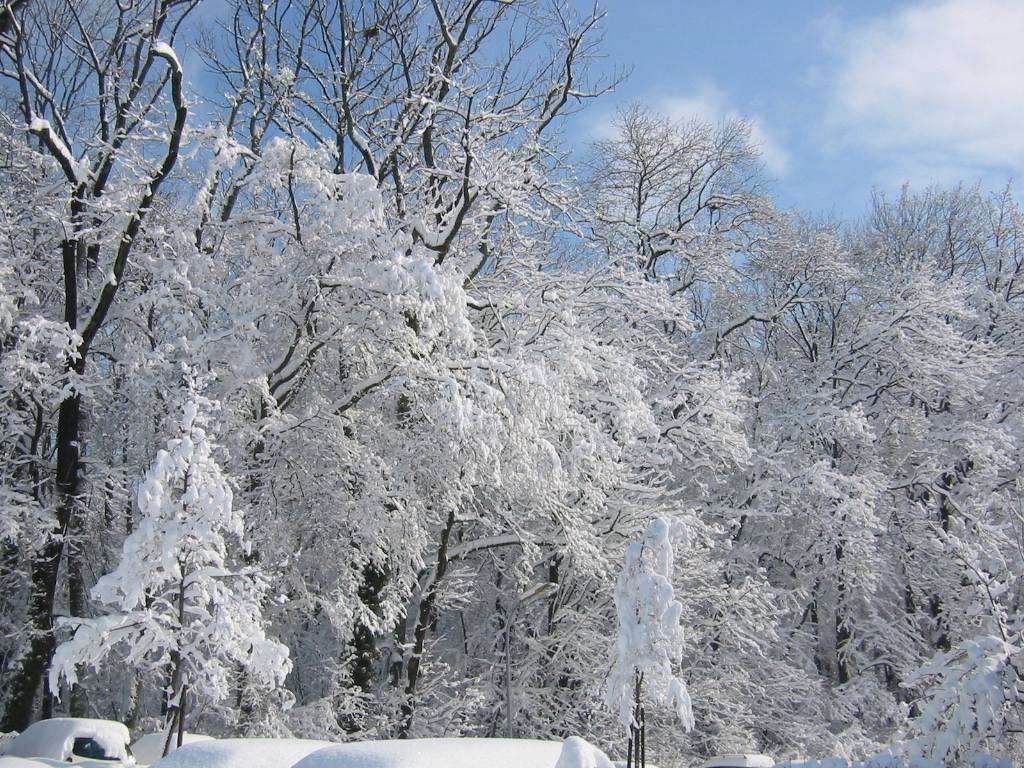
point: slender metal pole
(508, 670)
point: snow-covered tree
(445, 375)
(873, 447)
(650, 641)
(450, 106)
(676, 198)
(971, 703)
(182, 601)
(99, 89)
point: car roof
(438, 753)
(241, 753)
(739, 761)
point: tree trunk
(425, 617)
(27, 682)
(27, 678)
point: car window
(89, 749)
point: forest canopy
(338, 391)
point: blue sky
(846, 95)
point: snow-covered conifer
(179, 599)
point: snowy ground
(48, 744)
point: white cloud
(937, 89)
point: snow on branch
(60, 151)
(164, 51)
(651, 638)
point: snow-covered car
(72, 740)
(241, 753)
(404, 753)
(9, 761)
(574, 752)
(739, 761)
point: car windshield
(89, 749)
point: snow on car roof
(739, 761)
(54, 738)
(458, 753)
(9, 761)
(406, 753)
(241, 753)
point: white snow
(150, 748)
(574, 752)
(437, 753)
(36, 762)
(165, 51)
(39, 126)
(888, 761)
(650, 636)
(579, 753)
(459, 753)
(739, 761)
(55, 738)
(46, 762)
(242, 753)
